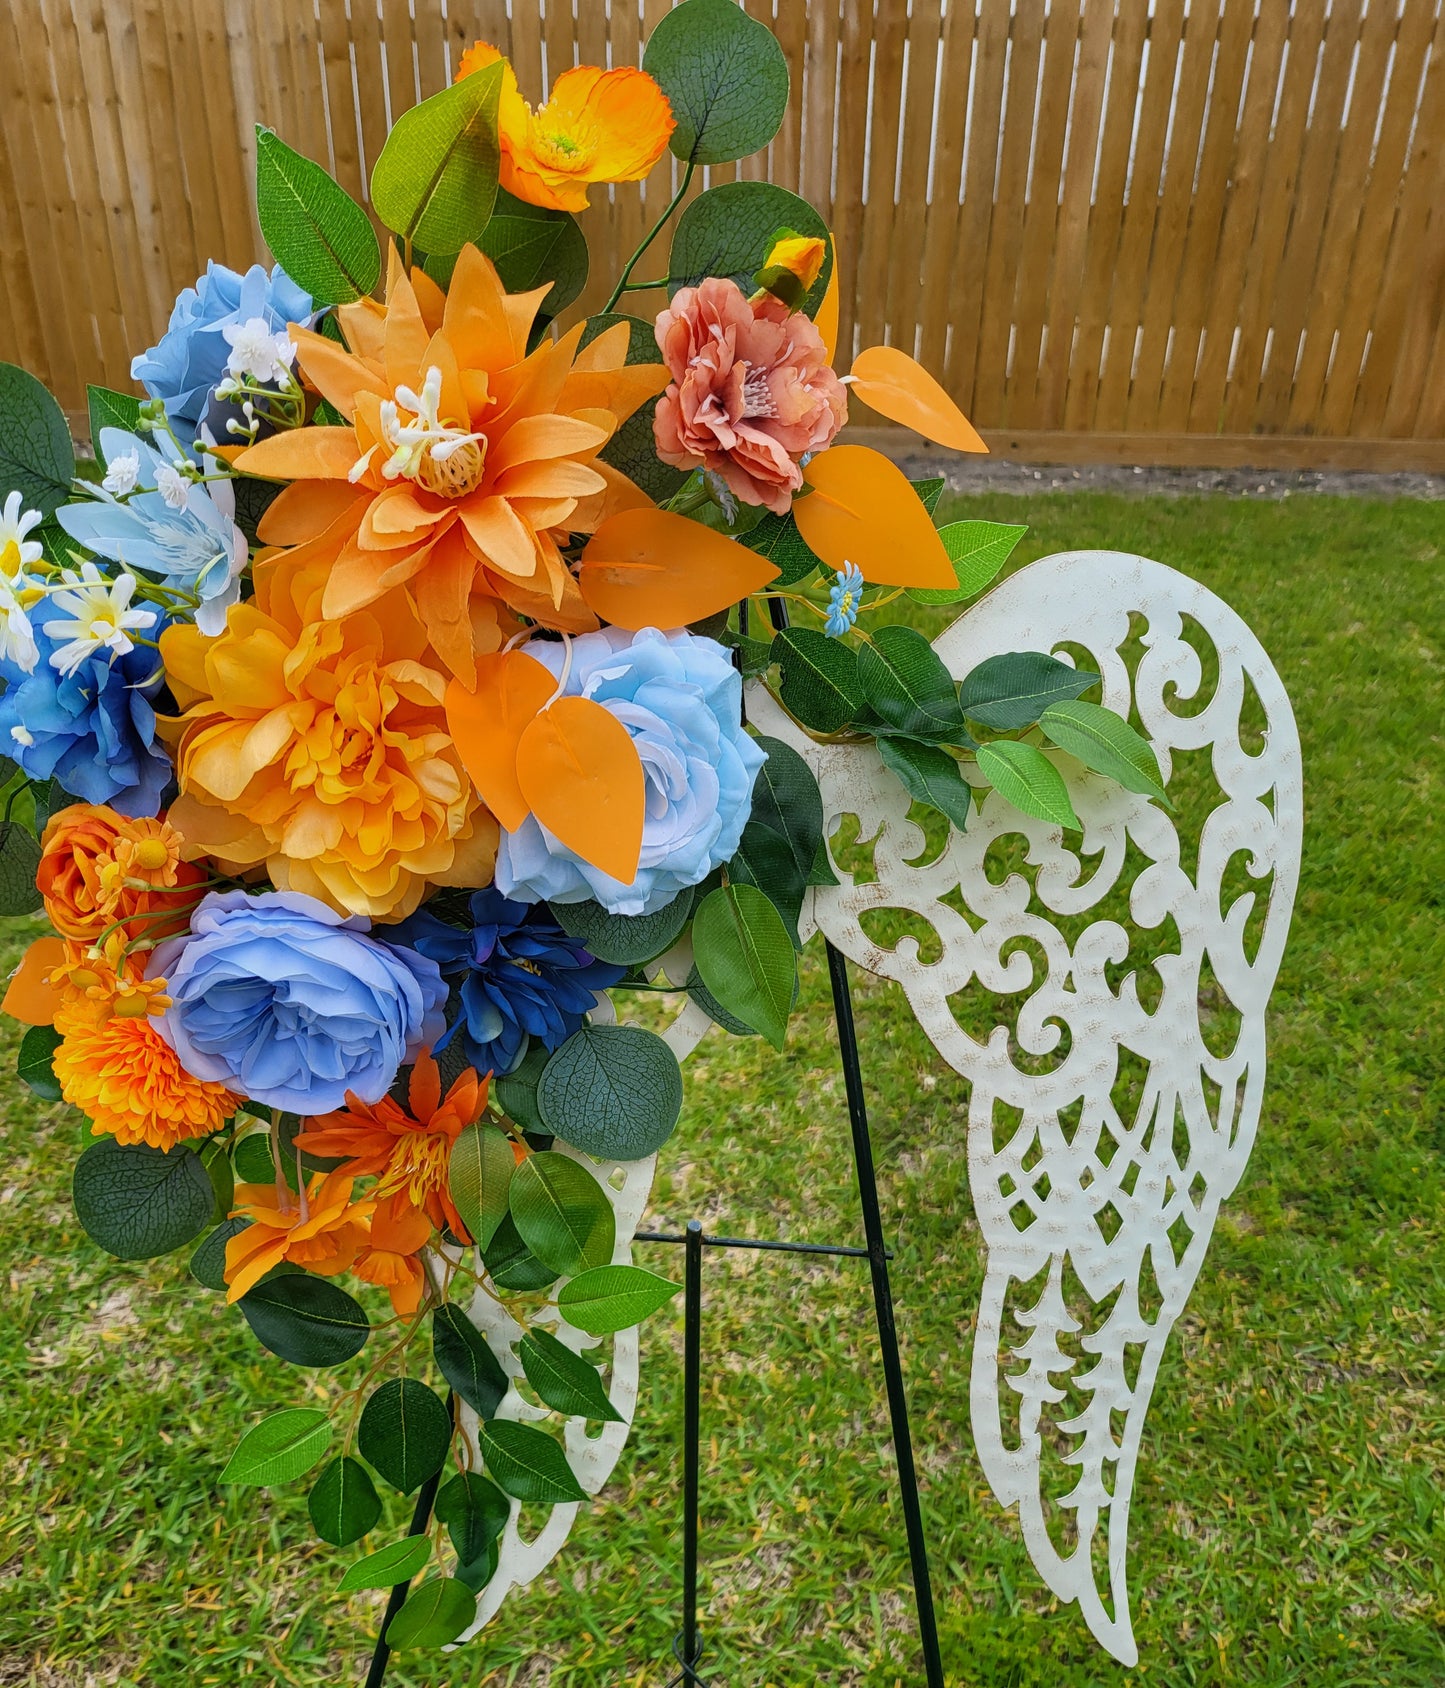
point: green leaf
(527, 1464)
(405, 1431)
(19, 860)
(515, 1093)
(612, 1091)
(977, 550)
(438, 1611)
(320, 236)
(715, 1011)
(727, 232)
(726, 78)
(511, 1265)
(478, 1175)
(765, 860)
(397, 1562)
(745, 957)
(821, 872)
(435, 183)
(466, 1361)
(906, 684)
(929, 492)
(208, 1263)
(777, 538)
(37, 459)
(45, 797)
(931, 776)
(753, 656)
(306, 1321)
(818, 678)
(109, 409)
(343, 1502)
(562, 1213)
(138, 1202)
(475, 1512)
(252, 1159)
(563, 1380)
(35, 1062)
(613, 1298)
(1012, 690)
(1106, 743)
(1025, 777)
(280, 1448)
(632, 450)
(625, 938)
(223, 1181)
(530, 245)
(786, 799)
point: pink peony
(751, 391)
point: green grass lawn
(1289, 1516)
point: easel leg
(420, 1524)
(883, 1306)
(692, 1447)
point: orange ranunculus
(597, 126)
(89, 866)
(322, 1232)
(321, 749)
(465, 464)
(407, 1152)
(128, 1079)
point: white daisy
(100, 617)
(16, 552)
(17, 636)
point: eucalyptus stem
(648, 238)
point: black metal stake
(692, 1447)
(883, 1306)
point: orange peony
(320, 749)
(597, 126)
(127, 1078)
(465, 464)
(90, 866)
(322, 1231)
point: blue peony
(191, 357)
(93, 730)
(521, 977)
(681, 699)
(287, 1002)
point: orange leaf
(30, 996)
(863, 511)
(650, 568)
(580, 771)
(903, 391)
(826, 320)
(487, 725)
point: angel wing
(1105, 999)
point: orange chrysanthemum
(91, 870)
(321, 749)
(466, 462)
(127, 1078)
(323, 1231)
(597, 126)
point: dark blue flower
(521, 977)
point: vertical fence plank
(946, 203)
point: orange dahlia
(322, 1230)
(127, 1078)
(465, 464)
(597, 126)
(321, 750)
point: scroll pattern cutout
(1096, 1207)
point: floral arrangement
(375, 705)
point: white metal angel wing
(1113, 1104)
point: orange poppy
(324, 1233)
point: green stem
(648, 239)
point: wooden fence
(1189, 231)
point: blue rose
(191, 357)
(287, 1002)
(681, 699)
(93, 730)
(521, 977)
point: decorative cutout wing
(1113, 1102)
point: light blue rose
(191, 357)
(681, 699)
(287, 1002)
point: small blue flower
(183, 534)
(843, 601)
(521, 977)
(93, 729)
(184, 369)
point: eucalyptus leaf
(562, 1213)
(613, 1298)
(1106, 743)
(565, 1381)
(404, 1432)
(727, 232)
(625, 938)
(208, 1263)
(466, 1361)
(725, 76)
(1025, 777)
(19, 861)
(614, 1092)
(320, 236)
(745, 956)
(307, 1321)
(35, 1062)
(931, 776)
(137, 1202)
(817, 678)
(280, 1448)
(37, 458)
(343, 1502)
(527, 1464)
(435, 183)
(1013, 690)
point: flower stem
(648, 238)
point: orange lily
(465, 462)
(324, 1232)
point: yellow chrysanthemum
(321, 750)
(127, 1079)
